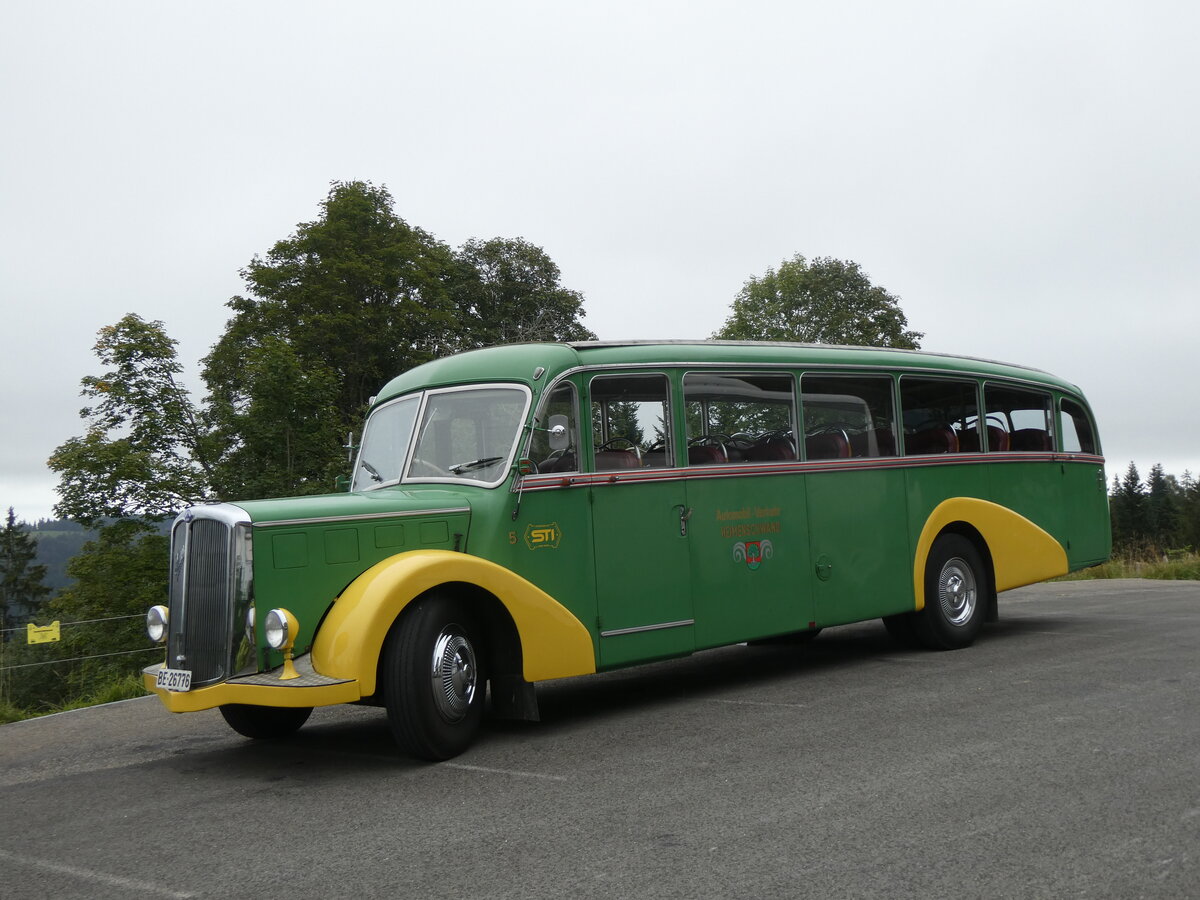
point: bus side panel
(751, 575)
(1085, 505)
(1033, 490)
(549, 544)
(859, 544)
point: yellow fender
(554, 644)
(1022, 552)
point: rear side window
(848, 416)
(1018, 419)
(1078, 436)
(738, 418)
(941, 415)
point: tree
(144, 453)
(21, 578)
(357, 291)
(117, 576)
(1130, 522)
(1162, 508)
(825, 301)
(340, 307)
(285, 439)
(510, 292)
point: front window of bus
(453, 434)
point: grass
(1174, 566)
(124, 688)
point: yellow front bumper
(263, 689)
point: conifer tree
(21, 587)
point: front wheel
(264, 722)
(956, 588)
(434, 678)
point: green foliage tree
(144, 451)
(510, 291)
(21, 577)
(341, 306)
(285, 439)
(822, 301)
(357, 293)
(1162, 508)
(117, 577)
(1127, 507)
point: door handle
(685, 513)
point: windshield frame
(503, 467)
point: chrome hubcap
(957, 592)
(454, 674)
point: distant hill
(57, 541)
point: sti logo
(543, 537)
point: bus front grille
(202, 614)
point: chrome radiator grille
(204, 614)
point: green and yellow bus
(537, 511)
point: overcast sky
(1023, 175)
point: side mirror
(560, 439)
(341, 484)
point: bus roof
(522, 362)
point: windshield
(464, 434)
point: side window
(1077, 433)
(941, 415)
(847, 415)
(631, 421)
(557, 405)
(738, 418)
(1018, 419)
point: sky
(1022, 175)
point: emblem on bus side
(752, 552)
(543, 537)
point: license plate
(173, 679)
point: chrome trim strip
(640, 628)
(556, 481)
(321, 520)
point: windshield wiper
(371, 470)
(475, 464)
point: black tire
(434, 678)
(265, 722)
(956, 592)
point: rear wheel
(261, 722)
(434, 678)
(956, 586)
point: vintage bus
(532, 512)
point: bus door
(857, 500)
(639, 523)
(748, 528)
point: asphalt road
(1058, 757)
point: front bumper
(262, 689)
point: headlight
(156, 623)
(280, 627)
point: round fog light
(156, 623)
(280, 627)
